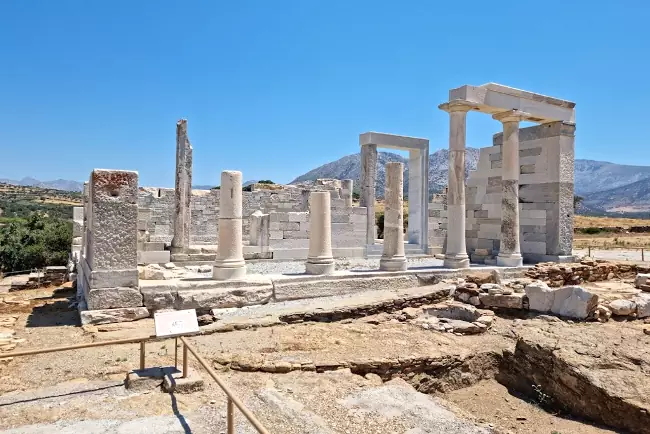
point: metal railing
(233, 401)
(607, 247)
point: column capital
(511, 116)
(458, 105)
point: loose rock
(622, 307)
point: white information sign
(176, 323)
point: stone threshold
(325, 309)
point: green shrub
(591, 231)
(35, 242)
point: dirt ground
(611, 240)
(87, 384)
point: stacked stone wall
(587, 270)
(281, 200)
(438, 222)
(546, 157)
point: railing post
(175, 353)
(141, 355)
(230, 417)
(185, 361)
(589, 251)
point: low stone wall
(589, 270)
(204, 204)
(438, 223)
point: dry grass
(581, 221)
(62, 201)
(611, 240)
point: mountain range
(57, 184)
(605, 187)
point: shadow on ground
(55, 311)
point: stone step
(325, 309)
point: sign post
(176, 323)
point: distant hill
(592, 176)
(606, 187)
(57, 184)
(630, 198)
(20, 201)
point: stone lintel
(392, 141)
(493, 98)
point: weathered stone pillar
(183, 189)
(368, 180)
(319, 258)
(229, 263)
(259, 229)
(419, 197)
(346, 191)
(110, 267)
(510, 250)
(393, 257)
(456, 254)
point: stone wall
(587, 270)
(438, 223)
(546, 158)
(275, 199)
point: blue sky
(276, 88)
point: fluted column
(319, 258)
(456, 254)
(229, 263)
(510, 250)
(393, 257)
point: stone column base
(319, 268)
(510, 260)
(456, 261)
(396, 263)
(228, 273)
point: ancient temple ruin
(516, 206)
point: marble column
(319, 258)
(346, 191)
(368, 180)
(393, 257)
(229, 263)
(183, 189)
(509, 250)
(456, 253)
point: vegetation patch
(34, 242)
